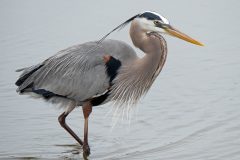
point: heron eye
(156, 22)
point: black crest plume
(119, 27)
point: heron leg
(87, 109)
(62, 122)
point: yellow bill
(174, 32)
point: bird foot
(86, 150)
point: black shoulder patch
(99, 100)
(112, 66)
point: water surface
(192, 111)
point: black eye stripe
(151, 16)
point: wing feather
(73, 73)
(78, 72)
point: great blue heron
(94, 73)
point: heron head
(154, 22)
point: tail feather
(27, 73)
(21, 69)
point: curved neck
(135, 79)
(153, 45)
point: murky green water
(191, 112)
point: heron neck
(136, 77)
(152, 63)
(155, 48)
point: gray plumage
(75, 72)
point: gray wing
(78, 72)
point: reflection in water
(25, 158)
(71, 148)
(191, 112)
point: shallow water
(191, 112)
